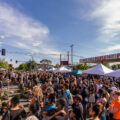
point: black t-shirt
(78, 111)
(84, 93)
(14, 114)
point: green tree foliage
(85, 66)
(116, 66)
(106, 64)
(3, 64)
(23, 66)
(46, 61)
(81, 66)
(31, 64)
(57, 66)
(27, 66)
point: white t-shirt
(13, 74)
(32, 118)
(99, 86)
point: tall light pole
(72, 54)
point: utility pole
(72, 54)
(68, 57)
(32, 58)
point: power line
(29, 54)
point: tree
(81, 66)
(23, 66)
(116, 66)
(27, 66)
(57, 66)
(46, 61)
(31, 64)
(106, 64)
(4, 64)
(85, 66)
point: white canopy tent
(98, 70)
(114, 74)
(51, 69)
(63, 69)
(40, 69)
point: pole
(32, 58)
(32, 62)
(60, 59)
(72, 54)
(68, 57)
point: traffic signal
(3, 52)
(16, 61)
(32, 67)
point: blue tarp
(76, 72)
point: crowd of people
(60, 96)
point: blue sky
(51, 26)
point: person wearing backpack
(15, 112)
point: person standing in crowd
(60, 113)
(85, 95)
(15, 112)
(51, 103)
(37, 96)
(115, 106)
(95, 111)
(103, 101)
(49, 91)
(77, 108)
(66, 93)
(33, 109)
(91, 93)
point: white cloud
(111, 48)
(24, 32)
(107, 14)
(2, 36)
(36, 44)
(1, 43)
